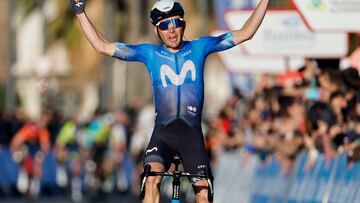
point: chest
(184, 66)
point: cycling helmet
(164, 9)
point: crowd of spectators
(84, 159)
(316, 109)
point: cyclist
(176, 70)
(68, 148)
(29, 146)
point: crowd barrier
(240, 178)
(10, 170)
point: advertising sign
(238, 62)
(283, 33)
(338, 15)
(220, 6)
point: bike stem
(176, 181)
(176, 186)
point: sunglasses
(175, 23)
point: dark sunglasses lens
(173, 22)
(180, 23)
(164, 25)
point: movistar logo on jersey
(175, 79)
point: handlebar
(176, 174)
(181, 174)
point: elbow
(101, 48)
(99, 51)
(249, 36)
(246, 38)
(244, 35)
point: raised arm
(252, 24)
(96, 39)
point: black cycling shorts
(182, 139)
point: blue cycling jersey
(177, 78)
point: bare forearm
(16, 143)
(99, 34)
(252, 24)
(96, 39)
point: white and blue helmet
(164, 9)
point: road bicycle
(176, 183)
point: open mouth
(173, 39)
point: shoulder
(133, 52)
(200, 40)
(137, 46)
(148, 46)
(199, 43)
(207, 39)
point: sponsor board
(236, 61)
(330, 15)
(283, 33)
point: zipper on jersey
(177, 88)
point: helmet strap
(157, 29)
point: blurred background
(281, 116)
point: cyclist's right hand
(78, 6)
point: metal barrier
(259, 182)
(241, 177)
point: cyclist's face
(171, 37)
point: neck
(176, 49)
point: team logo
(175, 79)
(191, 110)
(79, 4)
(201, 166)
